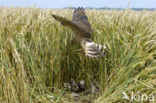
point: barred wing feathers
(74, 27)
(80, 19)
(93, 49)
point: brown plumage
(82, 32)
(79, 24)
(80, 19)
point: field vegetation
(37, 56)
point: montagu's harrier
(82, 32)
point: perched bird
(82, 32)
(74, 86)
(82, 86)
(66, 86)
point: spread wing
(74, 27)
(79, 23)
(80, 19)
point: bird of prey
(82, 32)
(73, 86)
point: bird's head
(82, 84)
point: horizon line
(79, 6)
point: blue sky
(82, 3)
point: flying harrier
(82, 32)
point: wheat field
(37, 57)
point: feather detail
(93, 49)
